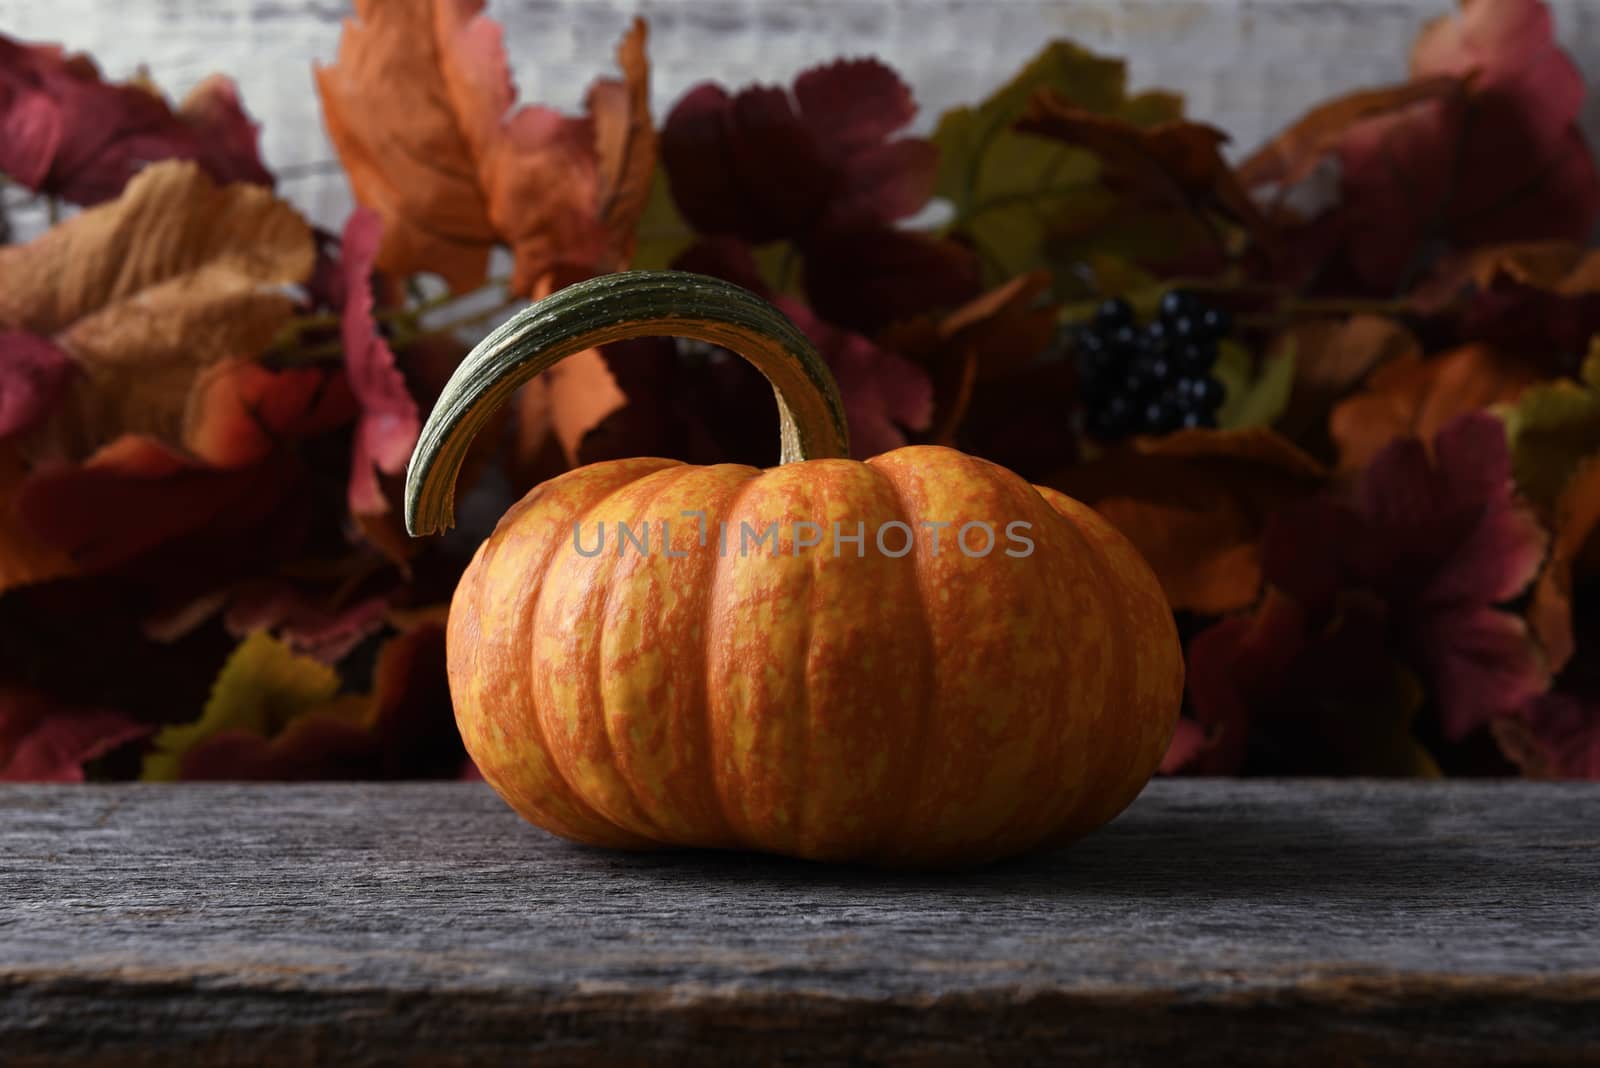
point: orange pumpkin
(701, 677)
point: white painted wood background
(1247, 65)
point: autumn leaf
(1332, 357)
(1441, 538)
(1287, 692)
(274, 715)
(1412, 396)
(1176, 164)
(819, 171)
(991, 336)
(1196, 504)
(1253, 396)
(766, 163)
(238, 411)
(884, 393)
(389, 421)
(24, 558)
(69, 134)
(310, 625)
(1291, 156)
(33, 373)
(145, 292)
(159, 495)
(1006, 187)
(43, 741)
(1572, 550)
(1554, 428)
(262, 688)
(1503, 159)
(1555, 737)
(422, 110)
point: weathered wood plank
(1250, 66)
(1240, 922)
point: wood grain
(1241, 923)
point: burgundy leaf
(389, 421)
(33, 372)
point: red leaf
(151, 493)
(1557, 737)
(867, 279)
(884, 393)
(1439, 541)
(1502, 159)
(763, 164)
(389, 422)
(72, 135)
(307, 624)
(33, 372)
(239, 411)
(43, 742)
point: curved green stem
(610, 308)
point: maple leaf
(884, 393)
(1501, 159)
(421, 108)
(308, 624)
(274, 715)
(1410, 395)
(765, 164)
(1196, 503)
(33, 372)
(1441, 540)
(1572, 556)
(389, 421)
(1290, 157)
(1286, 692)
(263, 687)
(818, 168)
(1556, 737)
(146, 291)
(42, 741)
(1332, 358)
(67, 133)
(159, 494)
(991, 336)
(1007, 188)
(1554, 428)
(1172, 164)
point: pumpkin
(926, 684)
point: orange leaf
(1289, 158)
(1413, 397)
(1560, 267)
(1573, 548)
(1196, 503)
(421, 108)
(147, 290)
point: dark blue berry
(1179, 304)
(1216, 323)
(1195, 357)
(1113, 313)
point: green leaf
(1553, 429)
(1253, 399)
(662, 234)
(1006, 187)
(263, 687)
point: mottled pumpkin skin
(926, 711)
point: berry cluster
(1152, 379)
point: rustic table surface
(1234, 923)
